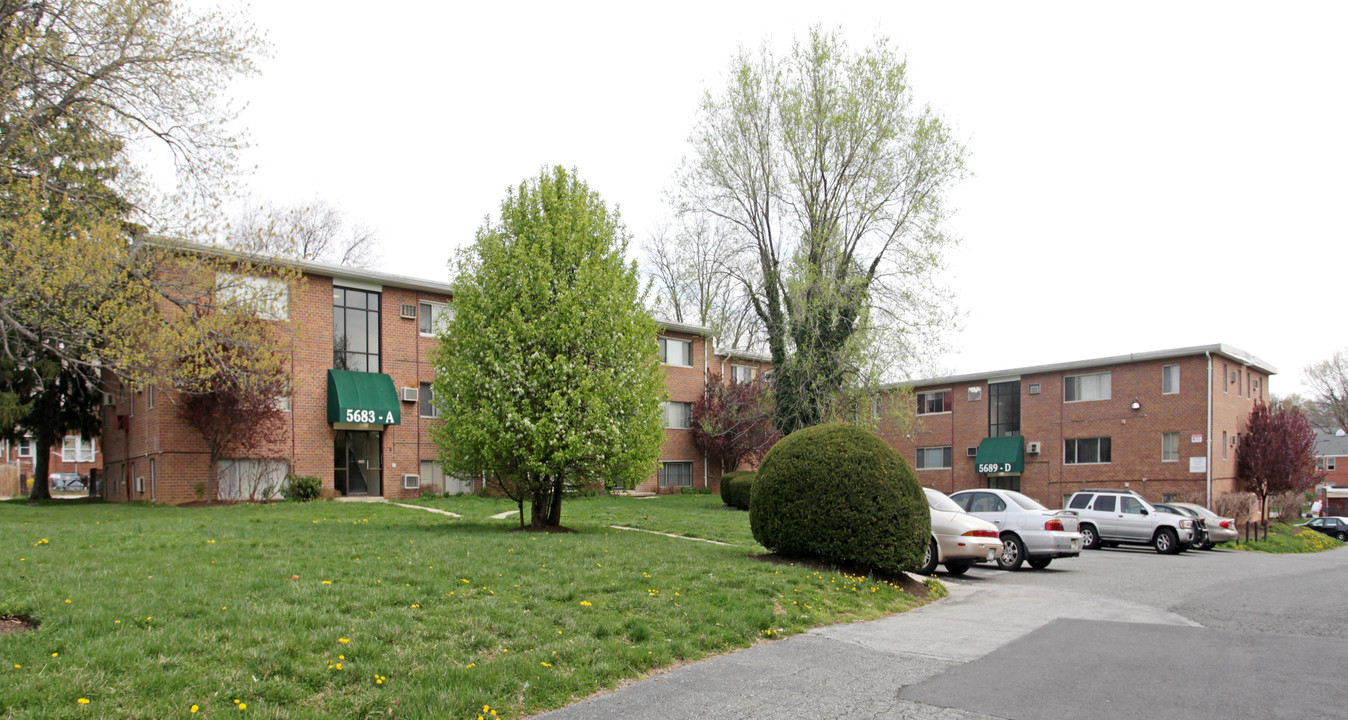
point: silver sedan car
(958, 539)
(1219, 529)
(1029, 531)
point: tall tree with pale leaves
(547, 377)
(834, 180)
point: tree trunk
(540, 504)
(520, 502)
(555, 512)
(41, 489)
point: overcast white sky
(1147, 175)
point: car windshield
(1024, 501)
(939, 501)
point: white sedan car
(958, 539)
(1029, 531)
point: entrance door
(358, 462)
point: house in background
(1165, 424)
(1331, 457)
(74, 456)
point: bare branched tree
(835, 179)
(1328, 383)
(700, 278)
(309, 231)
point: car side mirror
(1144, 511)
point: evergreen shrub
(735, 487)
(838, 494)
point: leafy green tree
(547, 377)
(81, 81)
(834, 180)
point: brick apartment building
(1331, 458)
(358, 415)
(73, 456)
(1164, 423)
(359, 412)
(687, 354)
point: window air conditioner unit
(1032, 448)
(971, 451)
(410, 394)
(140, 484)
(411, 482)
(408, 312)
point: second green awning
(1002, 455)
(361, 397)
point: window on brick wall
(425, 398)
(1170, 379)
(26, 446)
(677, 415)
(742, 373)
(1170, 451)
(933, 401)
(1329, 463)
(676, 474)
(355, 329)
(75, 449)
(432, 317)
(1223, 444)
(933, 458)
(676, 352)
(1081, 388)
(1086, 451)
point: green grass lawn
(372, 610)
(1287, 539)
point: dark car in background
(1335, 527)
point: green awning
(363, 398)
(1002, 455)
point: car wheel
(1089, 538)
(958, 568)
(929, 563)
(1013, 552)
(1341, 536)
(1039, 563)
(1167, 541)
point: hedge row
(735, 488)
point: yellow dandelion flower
(343, 640)
(67, 601)
(243, 706)
(327, 582)
(585, 603)
(544, 664)
(193, 709)
(83, 701)
(55, 654)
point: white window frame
(665, 420)
(80, 452)
(1170, 454)
(922, 401)
(1166, 372)
(922, 455)
(426, 391)
(437, 311)
(664, 351)
(1329, 463)
(736, 371)
(1073, 383)
(664, 472)
(1097, 440)
(268, 298)
(26, 446)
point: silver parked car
(1219, 529)
(1029, 531)
(958, 539)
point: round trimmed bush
(735, 488)
(839, 494)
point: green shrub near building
(736, 487)
(839, 494)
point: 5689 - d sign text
(994, 467)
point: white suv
(1122, 517)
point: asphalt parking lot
(1117, 633)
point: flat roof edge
(1220, 349)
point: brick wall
(1135, 435)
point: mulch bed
(10, 624)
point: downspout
(1208, 463)
(708, 346)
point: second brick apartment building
(1165, 424)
